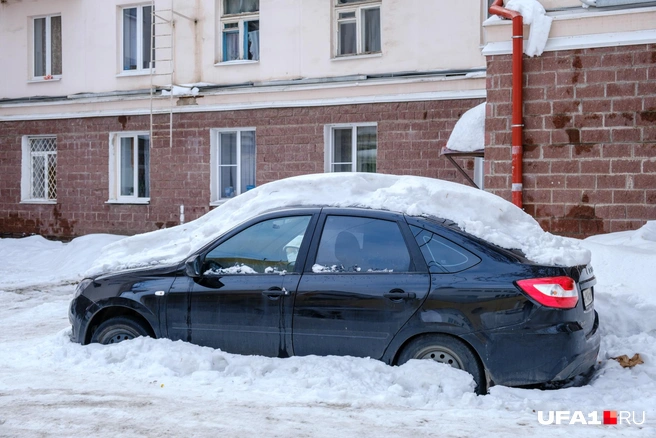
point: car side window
(359, 244)
(268, 247)
(442, 255)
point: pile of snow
(178, 90)
(157, 387)
(624, 264)
(477, 212)
(34, 261)
(534, 15)
(469, 133)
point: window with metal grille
(357, 25)
(39, 169)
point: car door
(242, 301)
(362, 283)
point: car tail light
(559, 292)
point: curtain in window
(40, 47)
(342, 149)
(247, 160)
(146, 46)
(347, 38)
(130, 39)
(366, 149)
(253, 42)
(240, 6)
(230, 46)
(127, 166)
(227, 164)
(143, 172)
(371, 30)
(55, 46)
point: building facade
(126, 117)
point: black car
(358, 282)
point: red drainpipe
(517, 112)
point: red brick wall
(589, 139)
(290, 141)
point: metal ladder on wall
(162, 66)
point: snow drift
(477, 212)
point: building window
(39, 170)
(138, 44)
(129, 167)
(240, 30)
(358, 27)
(351, 148)
(47, 47)
(232, 159)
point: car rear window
(442, 255)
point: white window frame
(115, 196)
(27, 176)
(329, 141)
(48, 49)
(139, 43)
(216, 197)
(241, 20)
(359, 9)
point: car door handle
(275, 292)
(398, 294)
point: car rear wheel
(448, 350)
(118, 329)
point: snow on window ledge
(130, 73)
(352, 57)
(236, 62)
(39, 201)
(138, 201)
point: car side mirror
(192, 266)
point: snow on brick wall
(589, 139)
(290, 141)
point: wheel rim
(442, 355)
(116, 336)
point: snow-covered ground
(145, 387)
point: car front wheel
(118, 329)
(448, 350)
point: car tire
(449, 350)
(118, 329)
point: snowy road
(50, 387)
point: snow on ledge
(469, 133)
(477, 212)
(535, 16)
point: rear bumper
(527, 356)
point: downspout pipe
(517, 98)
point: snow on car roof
(477, 212)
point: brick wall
(589, 139)
(290, 141)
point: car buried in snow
(364, 282)
(361, 265)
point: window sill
(39, 201)
(137, 201)
(130, 73)
(42, 80)
(352, 57)
(236, 62)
